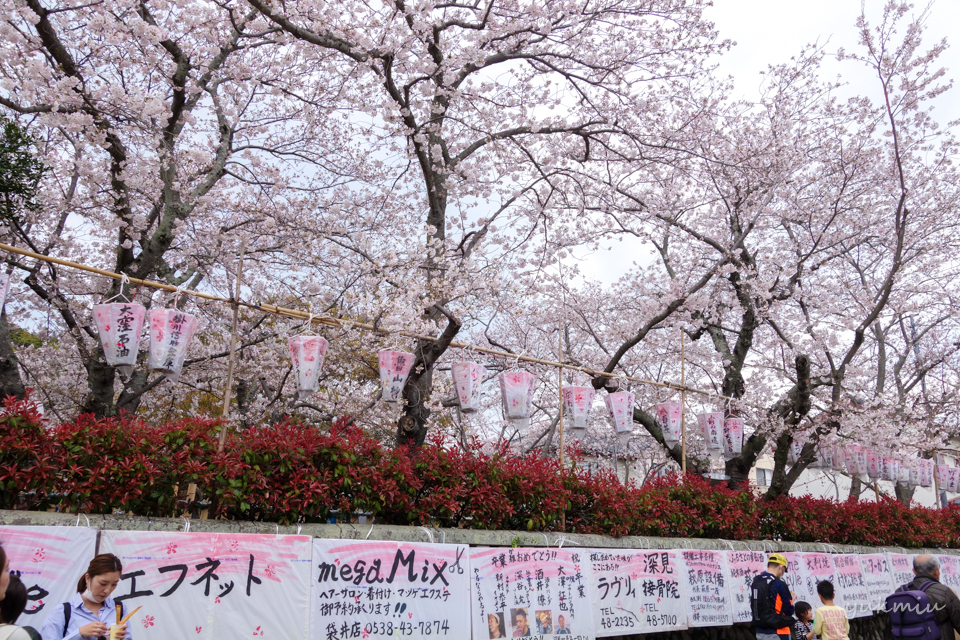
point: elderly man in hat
(771, 601)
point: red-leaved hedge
(294, 473)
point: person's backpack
(763, 607)
(912, 615)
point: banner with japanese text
(744, 566)
(795, 582)
(49, 561)
(851, 587)
(950, 571)
(636, 591)
(372, 589)
(527, 592)
(706, 582)
(878, 578)
(814, 567)
(215, 586)
(901, 568)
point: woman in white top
(89, 613)
(12, 605)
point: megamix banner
(225, 585)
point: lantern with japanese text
(925, 472)
(395, 367)
(670, 417)
(949, 478)
(732, 437)
(711, 428)
(874, 463)
(576, 406)
(855, 459)
(170, 334)
(913, 472)
(620, 411)
(890, 469)
(824, 454)
(307, 353)
(119, 325)
(516, 396)
(904, 476)
(467, 377)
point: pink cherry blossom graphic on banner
(874, 463)
(669, 415)
(516, 396)
(395, 366)
(732, 437)
(170, 334)
(467, 377)
(307, 354)
(119, 325)
(576, 406)
(925, 471)
(620, 411)
(711, 428)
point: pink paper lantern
(913, 473)
(516, 396)
(904, 475)
(669, 415)
(395, 367)
(950, 478)
(890, 468)
(824, 455)
(576, 405)
(925, 472)
(467, 377)
(874, 463)
(307, 353)
(119, 325)
(170, 334)
(732, 437)
(711, 428)
(620, 411)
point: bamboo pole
(233, 348)
(683, 406)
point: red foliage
(294, 473)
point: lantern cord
(343, 324)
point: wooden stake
(683, 406)
(936, 483)
(233, 349)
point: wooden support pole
(683, 406)
(233, 349)
(563, 515)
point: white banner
(878, 578)
(814, 567)
(526, 592)
(706, 582)
(636, 592)
(372, 590)
(950, 571)
(901, 568)
(213, 585)
(744, 566)
(851, 588)
(50, 561)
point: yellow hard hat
(777, 558)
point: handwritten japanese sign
(901, 568)
(794, 578)
(852, 592)
(706, 582)
(878, 578)
(374, 589)
(950, 571)
(744, 565)
(50, 561)
(814, 567)
(525, 592)
(208, 585)
(636, 592)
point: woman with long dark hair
(87, 614)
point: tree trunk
(100, 379)
(856, 487)
(10, 382)
(904, 493)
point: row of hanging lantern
(119, 325)
(858, 460)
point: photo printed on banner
(214, 586)
(878, 578)
(851, 587)
(901, 568)
(636, 591)
(706, 583)
(744, 566)
(49, 561)
(384, 589)
(531, 593)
